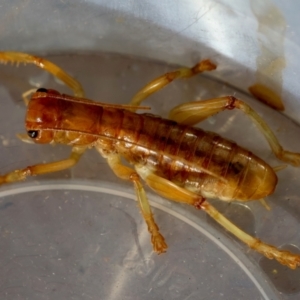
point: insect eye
(42, 90)
(33, 133)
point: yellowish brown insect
(178, 161)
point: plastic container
(77, 234)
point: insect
(177, 160)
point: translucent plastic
(77, 234)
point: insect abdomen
(200, 161)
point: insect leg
(38, 169)
(127, 173)
(169, 190)
(19, 57)
(284, 257)
(160, 82)
(195, 112)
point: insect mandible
(177, 160)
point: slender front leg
(19, 57)
(127, 173)
(160, 82)
(169, 190)
(19, 175)
(195, 112)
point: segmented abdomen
(200, 161)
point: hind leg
(169, 190)
(194, 112)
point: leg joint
(134, 177)
(231, 104)
(198, 203)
